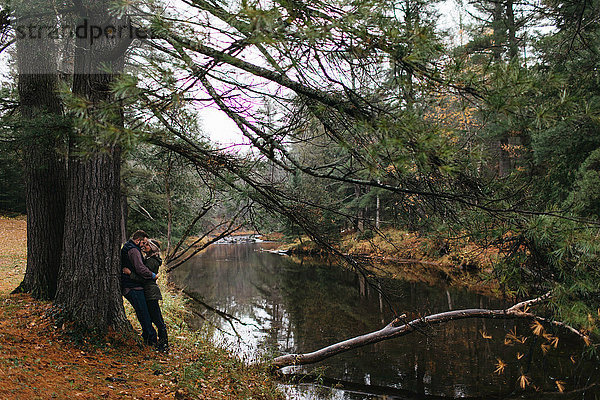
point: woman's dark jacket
(151, 289)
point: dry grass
(406, 255)
(13, 252)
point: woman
(152, 292)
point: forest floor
(39, 360)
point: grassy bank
(406, 255)
(41, 361)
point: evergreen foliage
(364, 115)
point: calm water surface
(292, 305)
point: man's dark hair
(139, 234)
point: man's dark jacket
(126, 281)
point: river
(292, 305)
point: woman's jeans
(138, 302)
(157, 319)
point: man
(131, 258)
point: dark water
(292, 305)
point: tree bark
(89, 289)
(360, 216)
(42, 135)
(511, 28)
(499, 30)
(124, 214)
(377, 210)
(169, 202)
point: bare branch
(228, 231)
(393, 330)
(187, 232)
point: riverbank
(41, 361)
(398, 253)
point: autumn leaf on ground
(500, 365)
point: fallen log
(400, 327)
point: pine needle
(545, 348)
(500, 365)
(537, 328)
(523, 381)
(521, 339)
(552, 339)
(485, 335)
(512, 336)
(587, 340)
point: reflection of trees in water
(333, 304)
(304, 305)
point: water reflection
(298, 305)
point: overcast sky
(223, 130)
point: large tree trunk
(45, 199)
(42, 133)
(89, 289)
(169, 202)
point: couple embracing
(140, 260)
